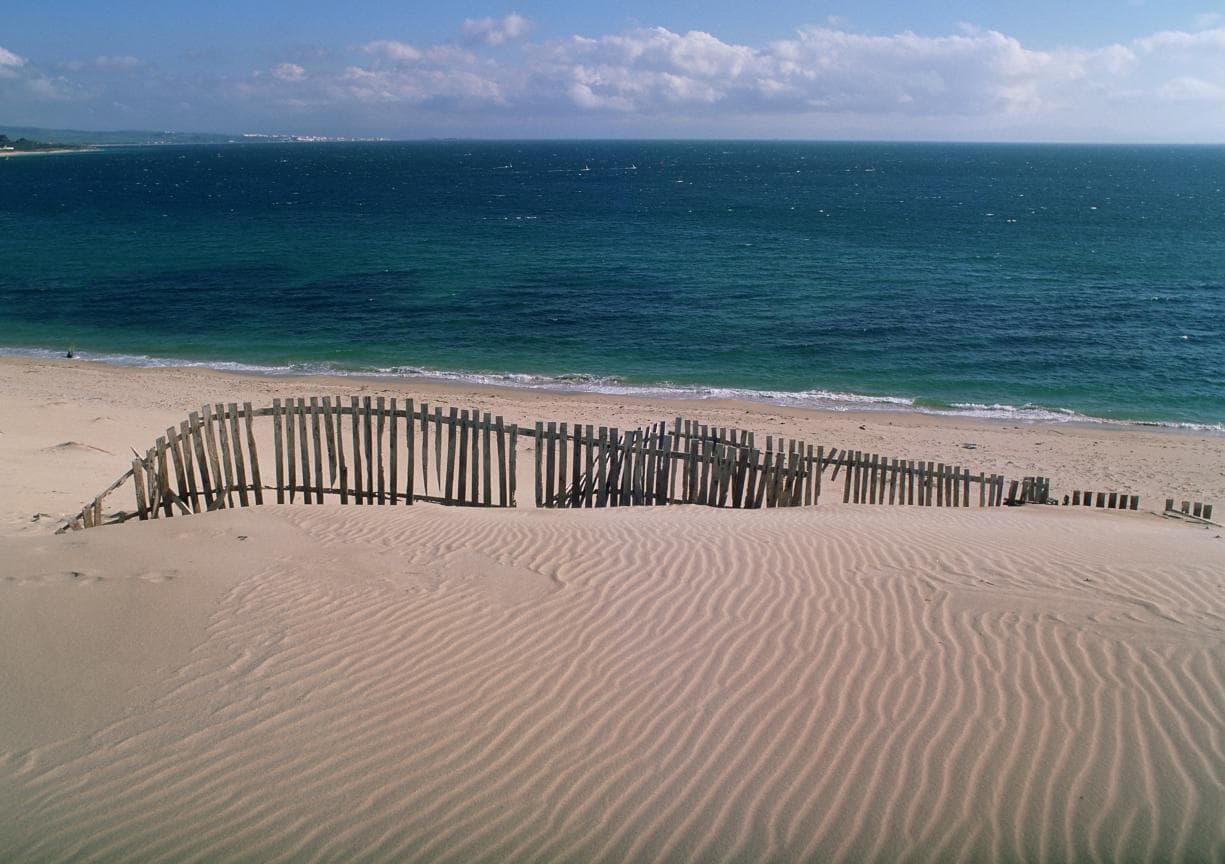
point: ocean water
(1040, 282)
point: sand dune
(679, 684)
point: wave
(578, 382)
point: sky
(989, 70)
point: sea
(1029, 282)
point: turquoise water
(1027, 281)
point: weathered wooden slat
(462, 492)
(197, 440)
(617, 471)
(650, 463)
(625, 465)
(486, 461)
(641, 468)
(210, 442)
(189, 468)
(563, 448)
(393, 452)
(410, 445)
(278, 450)
(355, 429)
(575, 498)
(550, 476)
(512, 455)
(380, 423)
(539, 448)
(368, 450)
(342, 470)
(256, 482)
(600, 469)
(289, 416)
(474, 428)
(768, 474)
(706, 448)
(438, 424)
(592, 455)
(782, 477)
(304, 454)
(328, 419)
(775, 481)
(240, 467)
(449, 492)
(748, 493)
(663, 468)
(816, 475)
(227, 459)
(425, 448)
(138, 481)
(500, 434)
(665, 441)
(176, 458)
(162, 474)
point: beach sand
(424, 683)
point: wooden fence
(366, 452)
(581, 466)
(870, 478)
(380, 451)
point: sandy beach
(835, 683)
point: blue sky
(1132, 70)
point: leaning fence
(378, 450)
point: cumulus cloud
(819, 81)
(9, 62)
(492, 31)
(392, 50)
(105, 63)
(289, 72)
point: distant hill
(114, 138)
(130, 137)
(27, 145)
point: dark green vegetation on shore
(25, 145)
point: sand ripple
(693, 685)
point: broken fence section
(368, 451)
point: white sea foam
(580, 382)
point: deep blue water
(1008, 279)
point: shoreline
(88, 415)
(55, 151)
(821, 401)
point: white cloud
(392, 50)
(1191, 89)
(289, 72)
(1212, 40)
(125, 61)
(820, 81)
(105, 63)
(496, 31)
(9, 62)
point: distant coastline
(24, 146)
(50, 151)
